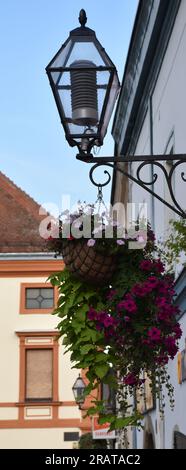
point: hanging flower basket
(86, 263)
(89, 244)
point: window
(39, 374)
(38, 366)
(37, 298)
(71, 436)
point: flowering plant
(129, 327)
(140, 326)
(100, 230)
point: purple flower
(91, 242)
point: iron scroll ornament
(112, 162)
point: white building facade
(150, 120)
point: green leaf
(109, 418)
(86, 348)
(101, 357)
(92, 411)
(101, 370)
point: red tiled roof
(19, 220)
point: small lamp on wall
(78, 391)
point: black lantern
(78, 391)
(85, 86)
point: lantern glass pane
(62, 56)
(114, 90)
(85, 51)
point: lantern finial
(82, 17)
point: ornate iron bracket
(144, 160)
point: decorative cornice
(17, 268)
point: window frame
(36, 285)
(38, 340)
(39, 399)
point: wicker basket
(86, 263)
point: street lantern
(85, 86)
(78, 391)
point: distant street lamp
(85, 86)
(78, 391)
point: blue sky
(33, 149)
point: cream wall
(35, 438)
(12, 321)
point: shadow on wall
(148, 439)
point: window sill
(38, 403)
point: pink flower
(92, 314)
(91, 242)
(111, 294)
(146, 265)
(161, 359)
(152, 282)
(154, 334)
(109, 321)
(161, 302)
(130, 379)
(159, 267)
(177, 331)
(171, 346)
(140, 290)
(128, 305)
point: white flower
(120, 242)
(91, 242)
